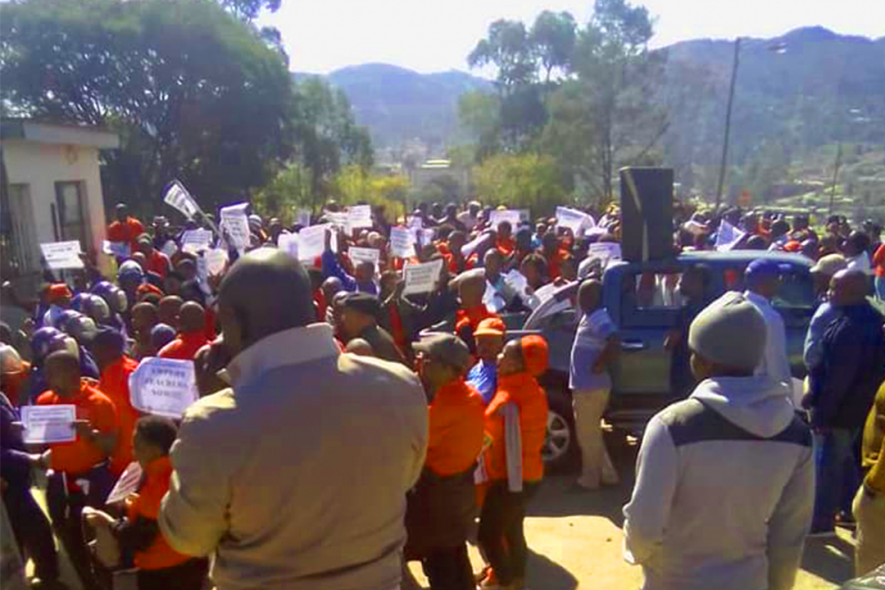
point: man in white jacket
(725, 479)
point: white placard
(338, 219)
(546, 292)
(359, 216)
(312, 241)
(49, 424)
(402, 242)
(415, 222)
(728, 236)
(605, 252)
(492, 299)
(118, 249)
(216, 258)
(302, 217)
(288, 243)
(169, 248)
(165, 387)
(511, 215)
(178, 197)
(422, 278)
(424, 236)
(235, 224)
(61, 255)
(196, 240)
(575, 220)
(126, 485)
(357, 255)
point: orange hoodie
(115, 384)
(523, 390)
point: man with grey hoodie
(725, 479)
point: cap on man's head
(445, 348)
(490, 327)
(363, 303)
(729, 332)
(762, 268)
(109, 338)
(830, 264)
(57, 292)
(130, 269)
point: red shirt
(455, 428)
(472, 317)
(506, 245)
(184, 347)
(127, 232)
(77, 457)
(115, 385)
(158, 263)
(146, 504)
(554, 264)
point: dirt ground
(575, 541)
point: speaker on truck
(646, 213)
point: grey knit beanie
(730, 331)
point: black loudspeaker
(646, 213)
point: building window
(17, 233)
(70, 214)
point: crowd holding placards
(349, 439)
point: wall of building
(40, 166)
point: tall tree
(192, 91)
(509, 49)
(609, 115)
(553, 37)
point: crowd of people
(348, 423)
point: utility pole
(722, 164)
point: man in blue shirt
(596, 343)
(489, 336)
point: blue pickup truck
(643, 301)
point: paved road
(575, 540)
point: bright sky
(324, 35)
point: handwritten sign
(402, 242)
(422, 278)
(216, 258)
(356, 254)
(575, 220)
(604, 252)
(511, 215)
(49, 424)
(289, 244)
(118, 249)
(312, 241)
(178, 197)
(359, 216)
(126, 485)
(61, 255)
(196, 240)
(165, 387)
(235, 225)
(728, 236)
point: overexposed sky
(324, 35)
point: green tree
(553, 37)
(524, 181)
(249, 9)
(509, 49)
(609, 115)
(288, 191)
(193, 92)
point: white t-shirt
(860, 262)
(775, 362)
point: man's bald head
(331, 286)
(63, 373)
(192, 317)
(170, 307)
(266, 291)
(848, 287)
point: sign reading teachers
(422, 278)
(165, 387)
(49, 424)
(62, 255)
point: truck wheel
(560, 446)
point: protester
(191, 336)
(82, 461)
(441, 506)
(155, 261)
(244, 497)
(869, 503)
(693, 287)
(724, 479)
(763, 279)
(595, 348)
(144, 317)
(472, 310)
(159, 566)
(516, 423)
(483, 376)
(359, 319)
(125, 229)
(822, 273)
(843, 385)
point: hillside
(399, 105)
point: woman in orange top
(516, 424)
(159, 566)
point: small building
(52, 190)
(439, 171)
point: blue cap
(763, 268)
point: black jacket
(851, 368)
